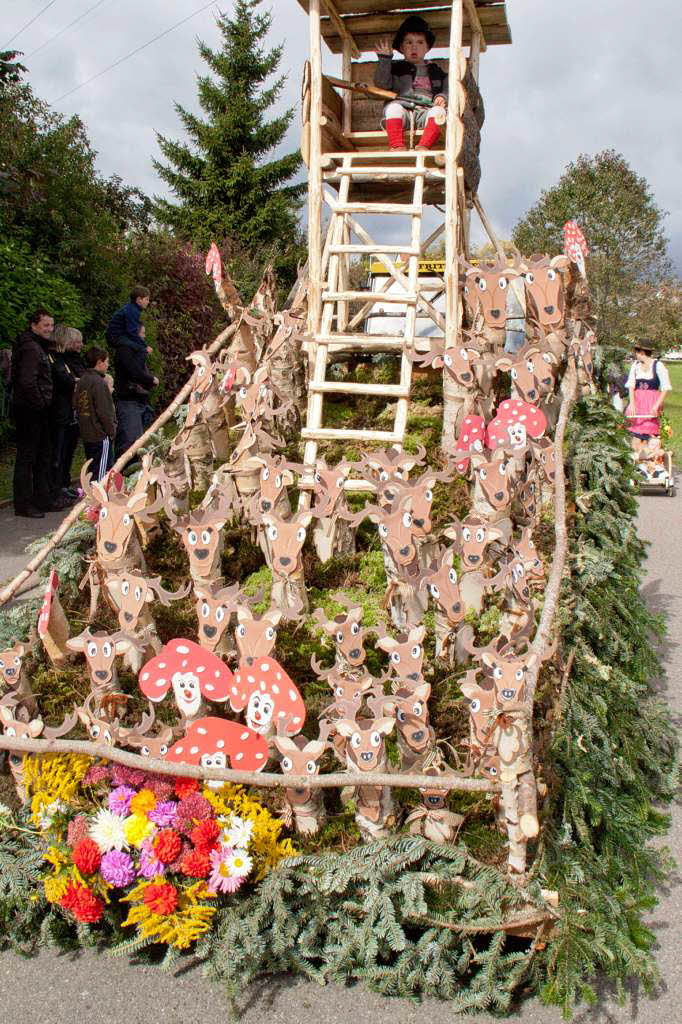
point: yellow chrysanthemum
(180, 929)
(55, 857)
(265, 846)
(143, 802)
(55, 887)
(137, 828)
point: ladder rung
(402, 297)
(389, 172)
(332, 434)
(405, 209)
(338, 387)
(357, 247)
(359, 341)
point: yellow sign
(425, 267)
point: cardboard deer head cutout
(515, 422)
(275, 476)
(492, 478)
(217, 743)
(195, 675)
(473, 536)
(409, 705)
(347, 633)
(483, 713)
(269, 695)
(202, 381)
(440, 579)
(421, 492)
(286, 538)
(101, 650)
(215, 607)
(458, 361)
(97, 722)
(138, 736)
(390, 464)
(344, 687)
(531, 370)
(544, 455)
(405, 655)
(364, 750)
(545, 288)
(255, 635)
(525, 550)
(328, 486)
(13, 678)
(201, 534)
(132, 592)
(301, 757)
(395, 528)
(485, 289)
(118, 511)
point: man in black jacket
(133, 382)
(31, 400)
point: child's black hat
(413, 24)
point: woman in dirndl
(647, 385)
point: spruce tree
(227, 190)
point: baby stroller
(654, 462)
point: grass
(673, 410)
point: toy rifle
(411, 102)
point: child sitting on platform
(412, 78)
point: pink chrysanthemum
(221, 880)
(119, 800)
(149, 864)
(123, 776)
(160, 787)
(192, 809)
(79, 828)
(117, 869)
(96, 774)
(164, 814)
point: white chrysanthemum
(5, 811)
(237, 832)
(47, 813)
(107, 831)
(239, 864)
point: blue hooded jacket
(125, 323)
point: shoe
(69, 492)
(61, 504)
(29, 513)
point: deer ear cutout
(124, 645)
(274, 616)
(417, 634)
(285, 745)
(384, 725)
(5, 714)
(386, 643)
(423, 691)
(36, 727)
(346, 728)
(494, 533)
(561, 262)
(503, 363)
(488, 660)
(315, 748)
(305, 520)
(76, 643)
(288, 477)
(82, 716)
(470, 690)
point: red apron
(647, 394)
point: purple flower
(164, 814)
(117, 869)
(149, 865)
(119, 800)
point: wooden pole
(120, 464)
(488, 228)
(453, 146)
(347, 95)
(266, 780)
(315, 174)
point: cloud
(579, 78)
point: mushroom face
(187, 693)
(215, 760)
(259, 712)
(268, 694)
(190, 671)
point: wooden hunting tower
(354, 173)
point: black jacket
(74, 361)
(132, 379)
(63, 383)
(31, 373)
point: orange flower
(161, 899)
(86, 856)
(82, 903)
(167, 845)
(196, 864)
(205, 835)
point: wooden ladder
(398, 169)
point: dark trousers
(58, 445)
(33, 466)
(70, 444)
(102, 455)
(130, 418)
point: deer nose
(525, 592)
(499, 495)
(418, 522)
(355, 653)
(128, 616)
(549, 309)
(366, 756)
(495, 314)
(110, 546)
(413, 675)
(10, 671)
(473, 559)
(101, 675)
(464, 377)
(210, 631)
(284, 561)
(201, 553)
(531, 394)
(418, 736)
(405, 551)
(265, 506)
(456, 607)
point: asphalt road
(53, 989)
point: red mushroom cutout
(514, 423)
(214, 264)
(267, 693)
(191, 671)
(211, 742)
(471, 439)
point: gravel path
(53, 989)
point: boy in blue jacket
(412, 78)
(125, 323)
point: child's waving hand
(384, 48)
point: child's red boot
(430, 135)
(394, 130)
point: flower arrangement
(166, 850)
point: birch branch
(75, 512)
(264, 780)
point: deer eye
(447, 359)
(530, 366)
(241, 630)
(464, 354)
(192, 538)
(163, 749)
(503, 468)
(339, 638)
(383, 530)
(310, 767)
(11, 731)
(530, 278)
(270, 633)
(318, 478)
(492, 770)
(145, 751)
(107, 649)
(205, 536)
(106, 736)
(395, 657)
(355, 740)
(92, 650)
(278, 480)
(513, 373)
(201, 371)
(434, 591)
(338, 692)
(262, 391)
(407, 520)
(300, 534)
(428, 495)
(480, 536)
(287, 764)
(480, 283)
(125, 588)
(355, 629)
(482, 474)
(265, 475)
(205, 610)
(242, 393)
(339, 482)
(272, 533)
(416, 651)
(475, 705)
(401, 716)
(502, 283)
(417, 709)
(519, 674)
(497, 672)
(126, 520)
(551, 275)
(219, 614)
(466, 533)
(138, 593)
(452, 575)
(383, 476)
(94, 731)
(103, 513)
(375, 739)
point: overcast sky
(579, 78)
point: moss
(259, 580)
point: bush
(26, 282)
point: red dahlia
(82, 903)
(86, 856)
(167, 845)
(205, 835)
(161, 899)
(196, 864)
(184, 787)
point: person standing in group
(31, 401)
(133, 381)
(647, 384)
(94, 407)
(61, 408)
(74, 360)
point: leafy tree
(226, 187)
(628, 263)
(10, 68)
(26, 282)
